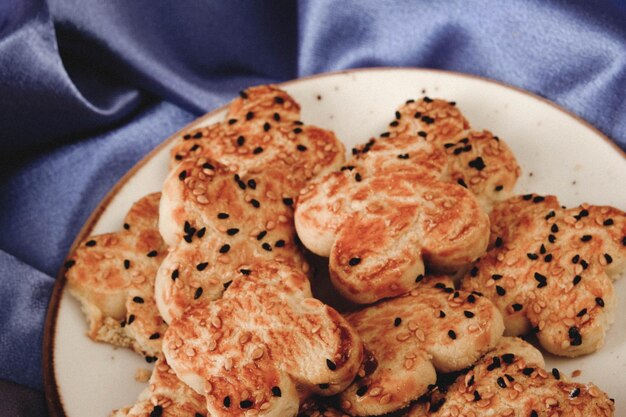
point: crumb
(576, 373)
(423, 91)
(574, 182)
(142, 375)
(319, 97)
(530, 174)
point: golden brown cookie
(477, 160)
(112, 275)
(165, 396)
(433, 328)
(550, 270)
(379, 223)
(218, 222)
(511, 382)
(262, 129)
(263, 346)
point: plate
(558, 152)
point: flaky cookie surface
(550, 270)
(112, 275)
(263, 346)
(433, 328)
(511, 382)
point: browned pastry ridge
(432, 328)
(263, 346)
(550, 270)
(165, 396)
(112, 275)
(477, 160)
(511, 382)
(379, 219)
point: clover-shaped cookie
(477, 160)
(379, 221)
(112, 275)
(218, 221)
(165, 396)
(511, 381)
(262, 129)
(432, 328)
(263, 345)
(550, 270)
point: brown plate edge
(53, 399)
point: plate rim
(54, 401)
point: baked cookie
(166, 396)
(263, 346)
(550, 270)
(379, 222)
(112, 275)
(218, 222)
(511, 381)
(432, 328)
(262, 129)
(315, 408)
(477, 160)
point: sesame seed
(331, 365)
(354, 261)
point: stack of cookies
(438, 267)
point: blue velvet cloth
(87, 87)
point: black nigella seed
(499, 242)
(245, 271)
(575, 393)
(266, 126)
(584, 264)
(538, 199)
(461, 182)
(527, 197)
(608, 222)
(417, 115)
(232, 232)
(422, 134)
(157, 411)
(182, 175)
(138, 300)
(532, 256)
(495, 363)
(288, 201)
(586, 238)
(468, 314)
(255, 203)
(608, 258)
(331, 365)
(279, 100)
(232, 121)
(277, 117)
(581, 312)
(534, 414)
(398, 115)
(471, 298)
(241, 140)
(551, 214)
(501, 382)
(261, 235)
(227, 401)
(474, 271)
(397, 321)
(297, 130)
(201, 232)
(198, 293)
(150, 359)
(252, 184)
(548, 258)
(279, 243)
(155, 336)
(477, 164)
(187, 136)
(499, 188)
(419, 278)
(175, 274)
(90, 243)
(600, 301)
(126, 226)
(517, 307)
(131, 318)
(554, 228)
(361, 391)
(403, 156)
(223, 216)
(451, 334)
(194, 148)
(241, 184)
(267, 246)
(324, 386)
(551, 238)
(575, 259)
(354, 261)
(152, 254)
(576, 279)
(225, 248)
(556, 374)
(394, 123)
(357, 177)
(276, 392)
(202, 266)
(477, 396)
(197, 135)
(208, 165)
(301, 148)
(528, 371)
(245, 404)
(257, 150)
(126, 264)
(69, 263)
(575, 338)
(501, 291)
(227, 283)
(442, 314)
(496, 277)
(249, 115)
(508, 358)
(541, 279)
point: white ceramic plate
(559, 154)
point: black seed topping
(501, 291)
(279, 100)
(461, 182)
(397, 321)
(131, 319)
(508, 358)
(201, 232)
(252, 184)
(69, 263)
(202, 266)
(223, 216)
(575, 259)
(245, 404)
(527, 197)
(575, 393)
(584, 264)
(138, 300)
(301, 148)
(477, 163)
(361, 391)
(187, 136)
(331, 365)
(471, 381)
(471, 298)
(126, 226)
(225, 248)
(532, 256)
(538, 199)
(255, 203)
(90, 243)
(249, 115)
(550, 214)
(232, 231)
(232, 121)
(608, 222)
(509, 377)
(357, 177)
(241, 140)
(257, 150)
(208, 165)
(403, 156)
(417, 115)
(157, 411)
(419, 278)
(575, 338)
(324, 386)
(554, 228)
(354, 261)
(468, 314)
(266, 126)
(267, 246)
(517, 307)
(496, 277)
(227, 401)
(534, 414)
(279, 243)
(499, 242)
(182, 175)
(276, 392)
(476, 396)
(245, 271)
(499, 188)
(576, 279)
(152, 254)
(583, 213)
(547, 258)
(451, 334)
(243, 94)
(501, 382)
(194, 147)
(277, 117)
(261, 235)
(541, 279)
(150, 359)
(608, 258)
(126, 264)
(586, 238)
(288, 201)
(474, 271)
(495, 364)
(600, 301)
(155, 336)
(198, 293)
(581, 312)
(528, 371)
(442, 314)
(556, 374)
(227, 284)
(421, 134)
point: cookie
(477, 160)
(112, 275)
(380, 222)
(166, 396)
(511, 381)
(263, 346)
(218, 222)
(262, 129)
(433, 328)
(550, 270)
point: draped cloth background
(88, 87)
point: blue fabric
(87, 87)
